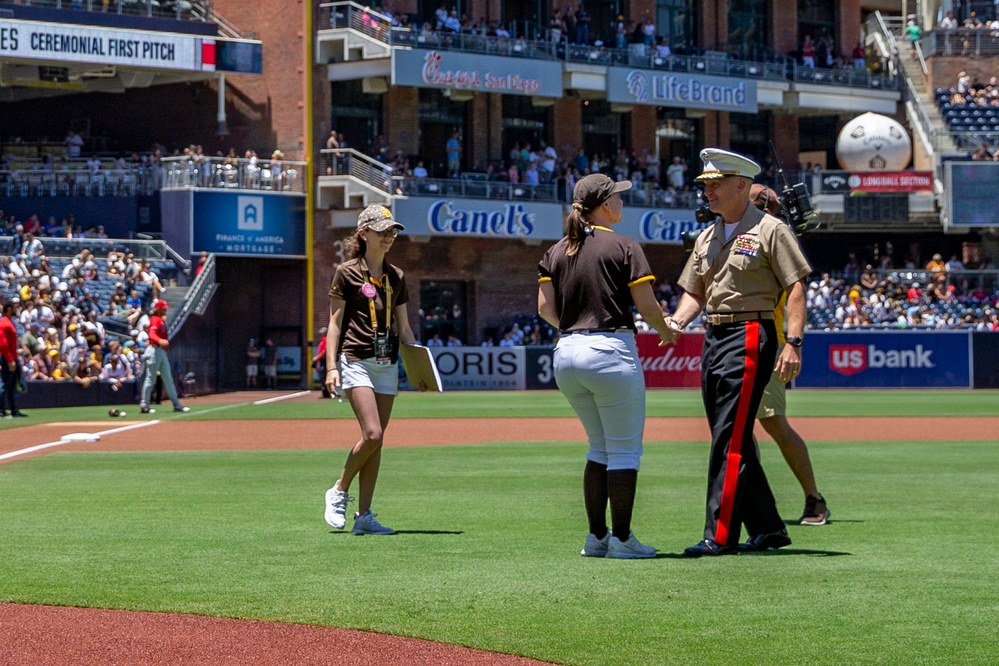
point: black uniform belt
(588, 331)
(735, 317)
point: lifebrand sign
(456, 70)
(60, 42)
(672, 89)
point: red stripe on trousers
(742, 421)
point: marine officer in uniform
(739, 268)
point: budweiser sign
(672, 366)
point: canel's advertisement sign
(906, 359)
(62, 42)
(457, 70)
(524, 220)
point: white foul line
(39, 447)
(282, 397)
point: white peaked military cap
(720, 163)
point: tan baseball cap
(377, 218)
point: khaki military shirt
(749, 272)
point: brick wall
(281, 26)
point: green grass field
(487, 554)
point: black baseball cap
(593, 190)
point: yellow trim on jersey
(544, 279)
(647, 278)
(779, 316)
(597, 226)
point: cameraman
(773, 408)
(739, 268)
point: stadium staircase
(351, 32)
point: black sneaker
(19, 414)
(762, 542)
(145, 409)
(707, 548)
(816, 512)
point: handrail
(922, 60)
(233, 173)
(349, 162)
(197, 296)
(56, 247)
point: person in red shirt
(10, 367)
(319, 360)
(156, 360)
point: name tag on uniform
(747, 245)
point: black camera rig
(795, 208)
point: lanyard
(387, 286)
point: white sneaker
(595, 547)
(336, 508)
(632, 549)
(365, 523)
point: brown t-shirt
(593, 287)
(357, 337)
(748, 272)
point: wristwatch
(796, 341)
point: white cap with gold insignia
(720, 163)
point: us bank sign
(693, 91)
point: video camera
(795, 208)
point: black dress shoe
(762, 542)
(707, 548)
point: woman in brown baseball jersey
(368, 296)
(588, 283)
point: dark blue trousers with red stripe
(738, 361)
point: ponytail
(575, 229)
(354, 246)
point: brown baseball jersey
(357, 336)
(593, 287)
(748, 272)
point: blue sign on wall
(248, 224)
(906, 359)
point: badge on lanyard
(383, 350)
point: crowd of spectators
(64, 303)
(971, 107)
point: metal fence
(233, 173)
(961, 42)
(76, 182)
(340, 15)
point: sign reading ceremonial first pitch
(62, 42)
(251, 224)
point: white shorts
(270, 370)
(382, 379)
(251, 371)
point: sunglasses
(391, 233)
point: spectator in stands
(936, 265)
(147, 276)
(94, 164)
(913, 33)
(115, 373)
(202, 260)
(808, 52)
(859, 57)
(948, 22)
(675, 173)
(74, 144)
(869, 279)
